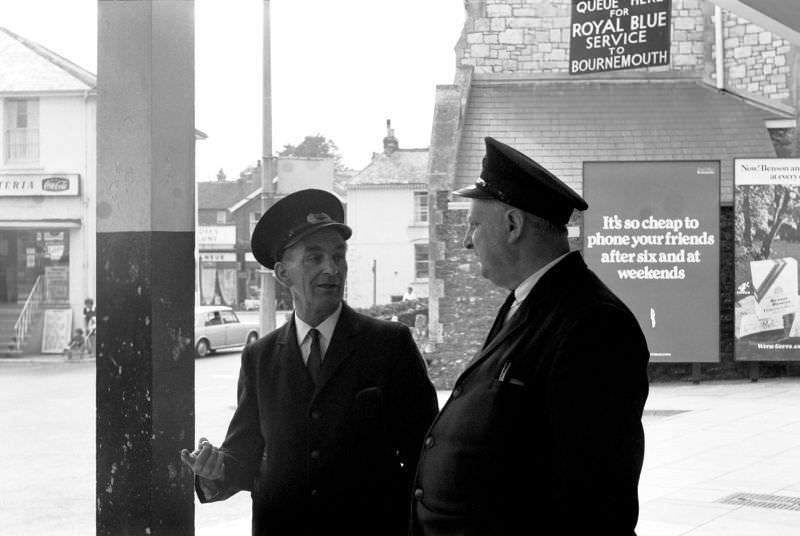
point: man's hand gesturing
(206, 462)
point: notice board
(613, 35)
(651, 233)
(56, 331)
(767, 259)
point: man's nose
(329, 266)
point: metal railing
(29, 310)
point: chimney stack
(390, 143)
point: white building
(47, 182)
(387, 208)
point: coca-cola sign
(55, 184)
(38, 184)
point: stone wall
(532, 37)
(757, 62)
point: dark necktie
(314, 364)
(499, 319)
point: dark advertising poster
(612, 35)
(767, 240)
(651, 233)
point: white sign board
(216, 235)
(19, 185)
(57, 330)
(217, 257)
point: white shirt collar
(325, 329)
(524, 288)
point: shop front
(28, 255)
(218, 265)
(46, 255)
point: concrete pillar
(145, 266)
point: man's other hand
(206, 462)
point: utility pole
(266, 311)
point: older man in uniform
(542, 434)
(332, 407)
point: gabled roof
(246, 199)
(220, 195)
(26, 66)
(561, 124)
(403, 166)
(781, 17)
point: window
(213, 319)
(222, 216)
(254, 217)
(22, 130)
(420, 207)
(420, 261)
(228, 317)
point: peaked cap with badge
(517, 180)
(293, 217)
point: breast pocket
(369, 416)
(369, 403)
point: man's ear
(282, 274)
(513, 221)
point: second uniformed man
(542, 434)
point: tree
(317, 146)
(760, 213)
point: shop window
(421, 261)
(22, 130)
(420, 207)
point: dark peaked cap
(515, 179)
(295, 216)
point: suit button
(429, 441)
(456, 392)
(314, 492)
(418, 493)
(314, 454)
(315, 414)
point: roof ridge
(56, 59)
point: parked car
(217, 327)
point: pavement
(722, 459)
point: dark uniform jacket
(338, 458)
(542, 434)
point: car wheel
(202, 349)
(251, 338)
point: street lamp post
(266, 314)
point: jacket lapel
(499, 319)
(545, 289)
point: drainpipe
(720, 47)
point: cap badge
(319, 217)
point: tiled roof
(221, 195)
(561, 124)
(403, 166)
(28, 66)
